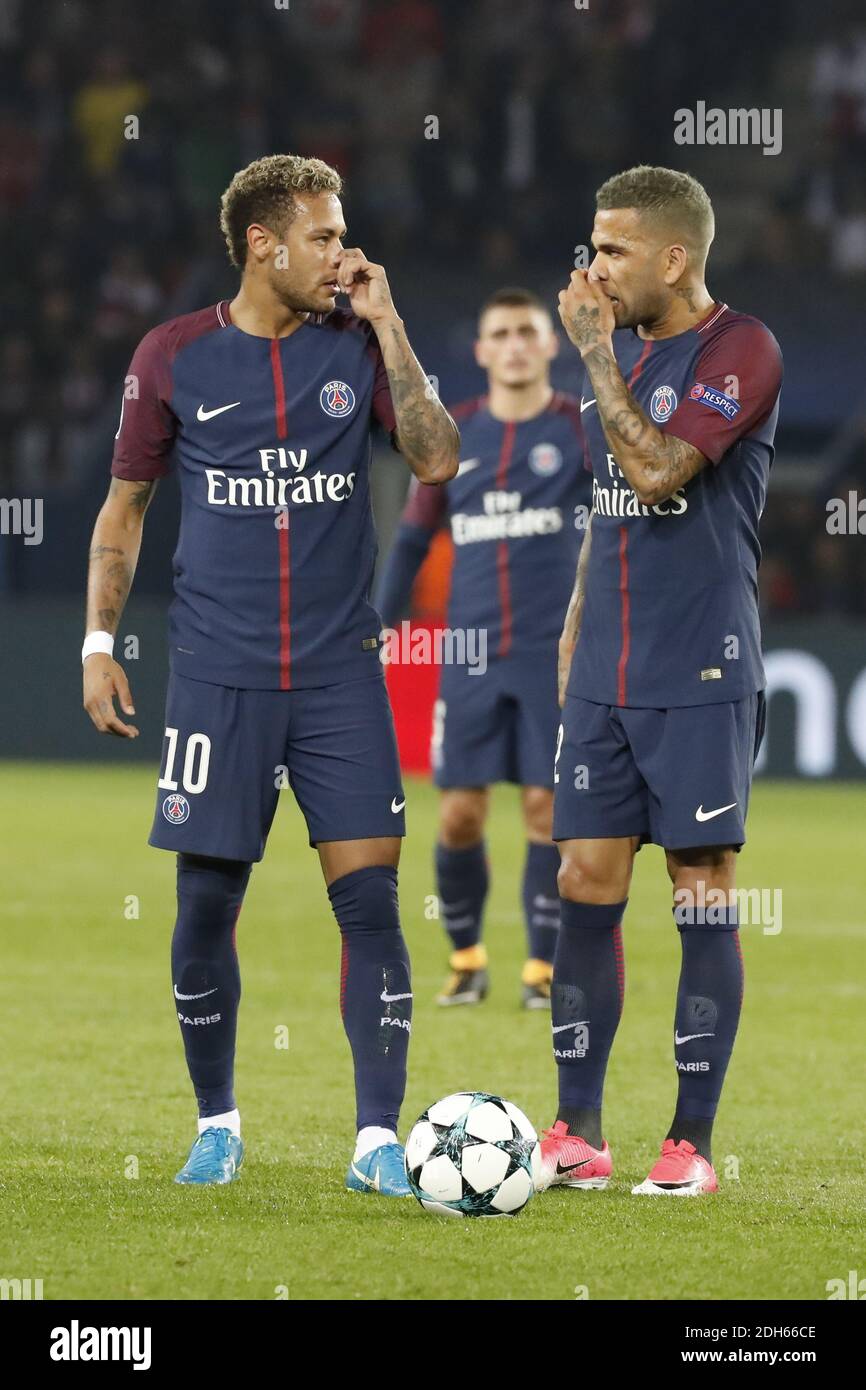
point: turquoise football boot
(382, 1170)
(215, 1157)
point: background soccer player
(266, 404)
(664, 707)
(517, 508)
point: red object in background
(413, 690)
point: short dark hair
(672, 199)
(511, 297)
(265, 192)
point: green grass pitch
(97, 1111)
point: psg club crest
(663, 404)
(175, 808)
(545, 459)
(337, 399)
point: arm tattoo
(427, 435)
(114, 552)
(583, 327)
(574, 613)
(655, 464)
(136, 494)
(139, 499)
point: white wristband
(97, 642)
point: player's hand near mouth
(426, 435)
(586, 312)
(367, 286)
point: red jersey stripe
(279, 388)
(638, 366)
(502, 550)
(624, 610)
(285, 579)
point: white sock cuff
(230, 1120)
(370, 1137)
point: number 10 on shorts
(196, 761)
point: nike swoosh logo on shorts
(584, 405)
(690, 1037)
(397, 806)
(202, 414)
(701, 814)
(391, 998)
(178, 995)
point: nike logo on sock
(561, 1027)
(178, 995)
(392, 998)
(690, 1037)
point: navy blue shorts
(499, 726)
(675, 777)
(229, 753)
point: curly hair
(265, 192)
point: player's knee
(211, 890)
(584, 879)
(703, 868)
(461, 820)
(366, 900)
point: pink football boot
(568, 1161)
(680, 1172)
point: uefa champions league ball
(473, 1154)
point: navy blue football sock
(709, 1000)
(205, 974)
(375, 992)
(541, 900)
(586, 1004)
(462, 880)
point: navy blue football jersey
(517, 511)
(670, 614)
(271, 439)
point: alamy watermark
(709, 907)
(449, 646)
(22, 516)
(736, 126)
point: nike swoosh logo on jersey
(396, 805)
(466, 466)
(561, 1027)
(203, 414)
(392, 998)
(178, 995)
(584, 405)
(569, 1167)
(701, 814)
(690, 1037)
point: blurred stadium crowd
(106, 235)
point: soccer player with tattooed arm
(265, 405)
(661, 675)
